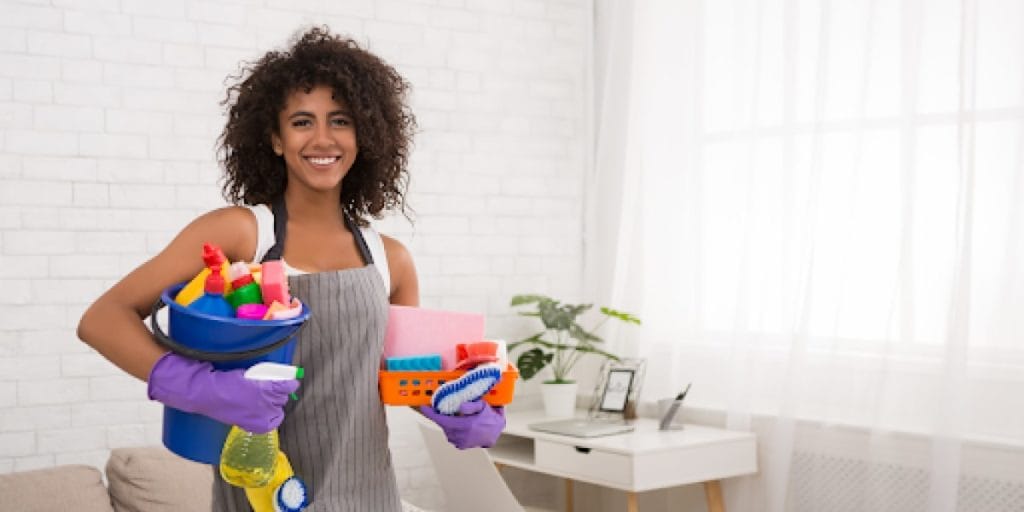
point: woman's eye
(301, 122)
(341, 121)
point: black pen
(681, 396)
(667, 419)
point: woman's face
(317, 138)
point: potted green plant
(561, 345)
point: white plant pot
(559, 399)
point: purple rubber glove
(256, 406)
(477, 425)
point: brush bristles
(471, 386)
(291, 496)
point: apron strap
(281, 228)
(364, 250)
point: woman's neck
(311, 207)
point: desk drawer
(584, 463)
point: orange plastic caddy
(416, 388)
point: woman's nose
(322, 136)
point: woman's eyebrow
(303, 113)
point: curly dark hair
(375, 94)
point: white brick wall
(108, 118)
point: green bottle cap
(248, 294)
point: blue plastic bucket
(228, 343)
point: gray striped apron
(336, 434)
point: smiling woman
(315, 145)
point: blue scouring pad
(471, 386)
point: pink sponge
(417, 331)
(274, 283)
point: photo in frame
(617, 390)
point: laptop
(583, 427)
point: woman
(316, 142)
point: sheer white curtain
(815, 207)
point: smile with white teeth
(322, 160)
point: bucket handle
(215, 357)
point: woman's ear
(275, 142)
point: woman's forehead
(310, 95)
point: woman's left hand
(477, 425)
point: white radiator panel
(821, 482)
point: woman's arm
(113, 324)
(405, 286)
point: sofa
(143, 479)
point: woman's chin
(322, 183)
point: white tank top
(265, 239)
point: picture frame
(615, 394)
(617, 389)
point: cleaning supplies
(291, 496)
(413, 331)
(269, 370)
(212, 301)
(248, 459)
(468, 355)
(212, 255)
(278, 311)
(256, 270)
(472, 385)
(274, 283)
(284, 491)
(251, 311)
(418, 387)
(244, 288)
(423, 363)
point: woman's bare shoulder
(404, 281)
(233, 228)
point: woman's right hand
(256, 406)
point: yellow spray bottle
(284, 492)
(248, 459)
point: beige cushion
(78, 488)
(152, 479)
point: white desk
(643, 460)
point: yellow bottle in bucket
(248, 459)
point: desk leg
(631, 505)
(713, 493)
(568, 495)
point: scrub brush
(291, 496)
(467, 388)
